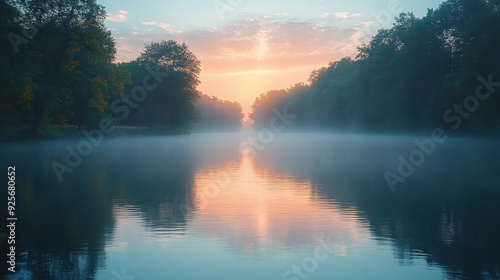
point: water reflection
(164, 205)
(256, 212)
(446, 211)
(62, 228)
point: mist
(131, 149)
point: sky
(248, 47)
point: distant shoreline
(73, 132)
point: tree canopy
(58, 70)
(407, 77)
(63, 60)
(218, 115)
(171, 103)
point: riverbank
(73, 132)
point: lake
(295, 206)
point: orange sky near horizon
(250, 57)
(244, 87)
(250, 47)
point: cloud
(340, 15)
(283, 15)
(121, 16)
(165, 26)
(272, 45)
(345, 15)
(243, 58)
(259, 44)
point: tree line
(439, 70)
(218, 115)
(57, 70)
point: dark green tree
(407, 76)
(72, 61)
(15, 78)
(170, 107)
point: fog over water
(214, 206)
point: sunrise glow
(253, 47)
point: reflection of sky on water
(120, 209)
(248, 223)
(257, 212)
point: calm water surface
(209, 206)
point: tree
(406, 77)
(16, 81)
(265, 106)
(171, 105)
(218, 115)
(72, 61)
(479, 33)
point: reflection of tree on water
(69, 224)
(62, 227)
(258, 212)
(157, 176)
(446, 211)
(155, 182)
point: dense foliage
(57, 70)
(58, 63)
(420, 74)
(170, 95)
